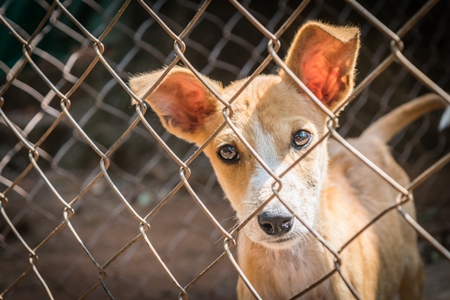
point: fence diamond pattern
(98, 201)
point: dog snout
(275, 223)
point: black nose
(275, 223)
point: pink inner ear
(183, 102)
(320, 76)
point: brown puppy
(330, 189)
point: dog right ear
(183, 104)
(323, 57)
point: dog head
(276, 118)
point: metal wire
(111, 39)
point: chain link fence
(91, 198)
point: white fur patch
(303, 200)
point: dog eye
(228, 154)
(301, 139)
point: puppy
(329, 189)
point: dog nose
(275, 223)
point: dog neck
(283, 273)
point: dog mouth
(281, 242)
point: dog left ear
(184, 105)
(323, 57)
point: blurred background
(71, 139)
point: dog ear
(183, 104)
(323, 57)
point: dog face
(276, 118)
(279, 135)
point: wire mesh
(98, 200)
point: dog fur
(330, 189)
